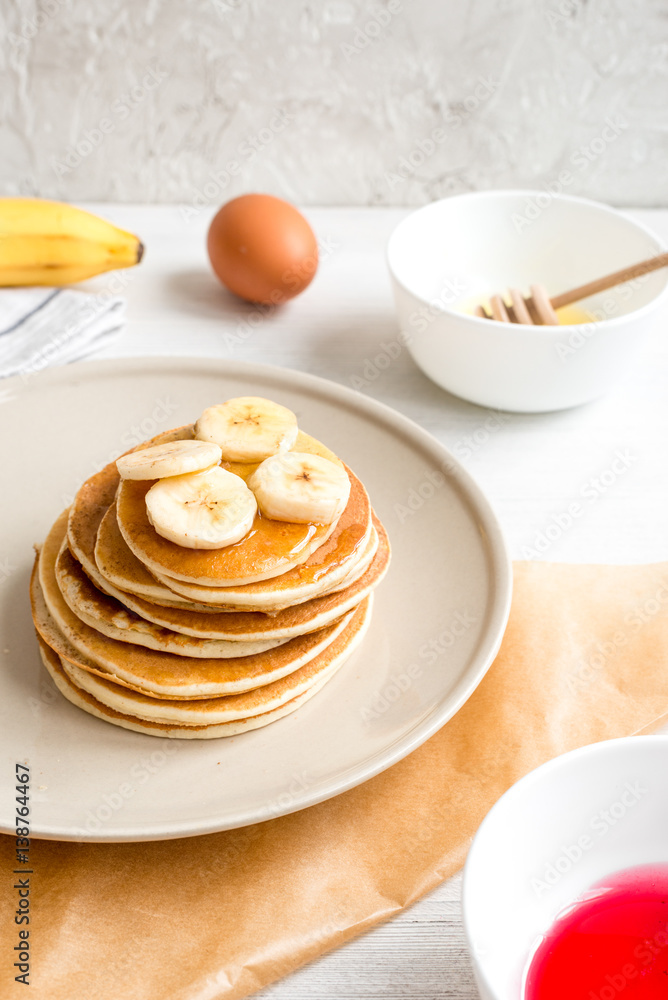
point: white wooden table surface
(532, 468)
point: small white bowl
(555, 833)
(458, 250)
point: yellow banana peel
(51, 243)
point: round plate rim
(499, 559)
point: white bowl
(555, 833)
(460, 249)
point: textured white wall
(333, 102)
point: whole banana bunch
(51, 243)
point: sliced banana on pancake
(202, 510)
(300, 488)
(248, 428)
(175, 458)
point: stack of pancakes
(200, 643)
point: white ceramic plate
(438, 620)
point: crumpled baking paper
(584, 658)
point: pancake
(269, 549)
(217, 599)
(94, 498)
(248, 625)
(233, 707)
(303, 583)
(150, 671)
(111, 618)
(119, 566)
(196, 644)
(87, 512)
(86, 702)
(98, 493)
(325, 569)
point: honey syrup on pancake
(342, 547)
(270, 549)
(245, 470)
(345, 542)
(282, 546)
(338, 549)
(269, 543)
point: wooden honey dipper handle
(610, 280)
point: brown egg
(262, 248)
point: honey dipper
(538, 309)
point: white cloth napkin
(47, 326)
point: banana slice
(301, 488)
(202, 510)
(172, 459)
(248, 428)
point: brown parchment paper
(584, 658)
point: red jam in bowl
(611, 943)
